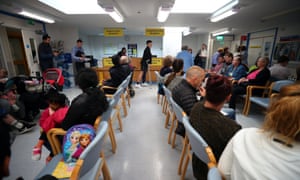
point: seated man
(184, 94)
(280, 71)
(215, 128)
(118, 73)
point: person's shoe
(137, 86)
(145, 84)
(36, 154)
(26, 127)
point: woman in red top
(258, 76)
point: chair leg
(183, 154)
(128, 97)
(164, 106)
(112, 137)
(158, 97)
(124, 105)
(120, 121)
(171, 128)
(105, 171)
(185, 166)
(167, 119)
(174, 135)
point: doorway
(17, 51)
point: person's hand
(202, 91)
(51, 111)
(242, 80)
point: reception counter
(103, 72)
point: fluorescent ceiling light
(221, 31)
(163, 13)
(36, 16)
(198, 6)
(223, 16)
(225, 11)
(75, 6)
(186, 32)
(114, 13)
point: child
(50, 118)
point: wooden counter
(103, 72)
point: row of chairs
(192, 142)
(88, 166)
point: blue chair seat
(264, 102)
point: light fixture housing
(221, 31)
(187, 32)
(36, 16)
(163, 13)
(225, 11)
(114, 13)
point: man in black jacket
(147, 58)
(184, 94)
(46, 54)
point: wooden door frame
(18, 35)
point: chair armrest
(108, 87)
(212, 160)
(250, 88)
(55, 143)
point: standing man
(186, 56)
(147, 59)
(78, 56)
(46, 54)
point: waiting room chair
(169, 108)
(214, 174)
(263, 101)
(90, 163)
(179, 114)
(160, 81)
(198, 146)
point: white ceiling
(140, 14)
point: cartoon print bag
(77, 138)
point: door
(17, 51)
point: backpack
(77, 138)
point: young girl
(50, 118)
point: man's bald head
(195, 76)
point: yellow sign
(255, 46)
(154, 32)
(107, 62)
(156, 62)
(113, 32)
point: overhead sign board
(113, 32)
(154, 32)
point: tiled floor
(142, 148)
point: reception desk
(103, 72)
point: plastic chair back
(277, 85)
(178, 110)
(159, 78)
(214, 174)
(116, 97)
(198, 144)
(91, 154)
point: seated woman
(90, 104)
(271, 152)
(210, 123)
(258, 76)
(218, 68)
(236, 70)
(176, 76)
(166, 69)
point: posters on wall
(289, 49)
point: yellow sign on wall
(154, 32)
(113, 32)
(107, 62)
(156, 62)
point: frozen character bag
(77, 138)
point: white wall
(195, 41)
(67, 34)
